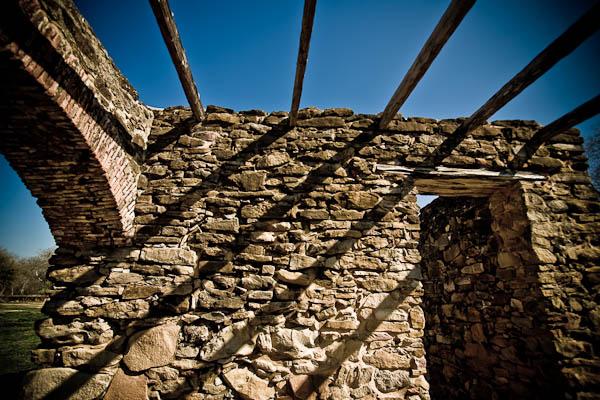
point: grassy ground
(17, 337)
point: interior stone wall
(488, 334)
(271, 262)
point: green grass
(17, 336)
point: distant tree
(23, 275)
(8, 263)
(30, 277)
(592, 149)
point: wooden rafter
(170, 34)
(458, 172)
(307, 25)
(561, 47)
(438, 38)
(569, 120)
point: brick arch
(68, 142)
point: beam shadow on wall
(285, 205)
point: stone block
(168, 255)
(63, 383)
(152, 347)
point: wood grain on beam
(458, 172)
(166, 23)
(561, 47)
(438, 38)
(307, 25)
(569, 120)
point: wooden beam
(561, 47)
(170, 34)
(445, 28)
(456, 182)
(446, 172)
(569, 120)
(307, 25)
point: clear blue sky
(243, 56)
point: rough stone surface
(153, 347)
(168, 256)
(390, 381)
(62, 383)
(248, 385)
(127, 387)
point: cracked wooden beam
(444, 29)
(307, 25)
(569, 120)
(557, 50)
(170, 34)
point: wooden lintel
(569, 120)
(561, 47)
(447, 172)
(438, 38)
(170, 34)
(307, 26)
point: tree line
(27, 275)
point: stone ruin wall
(263, 262)
(278, 263)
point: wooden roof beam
(569, 120)
(561, 47)
(170, 34)
(444, 29)
(307, 25)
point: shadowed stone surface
(127, 387)
(153, 347)
(62, 383)
(248, 385)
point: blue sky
(243, 56)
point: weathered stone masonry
(268, 262)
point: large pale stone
(152, 347)
(127, 387)
(248, 385)
(390, 381)
(121, 310)
(233, 339)
(225, 225)
(380, 285)
(323, 122)
(386, 359)
(90, 357)
(222, 118)
(273, 160)
(297, 278)
(295, 343)
(363, 200)
(544, 256)
(301, 386)
(96, 332)
(168, 256)
(300, 261)
(251, 180)
(80, 274)
(139, 292)
(417, 318)
(63, 383)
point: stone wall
(510, 288)
(488, 335)
(270, 262)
